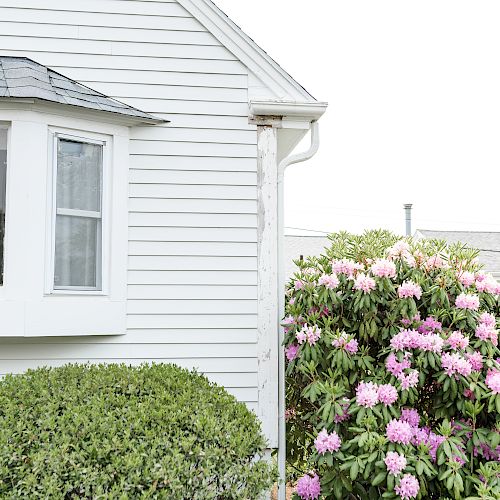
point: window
(78, 214)
(3, 179)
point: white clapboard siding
(191, 263)
(189, 292)
(193, 189)
(179, 205)
(191, 219)
(158, 77)
(146, 176)
(202, 248)
(170, 133)
(188, 234)
(193, 163)
(192, 307)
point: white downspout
(286, 162)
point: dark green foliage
(112, 431)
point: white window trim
(103, 268)
(5, 126)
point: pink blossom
(367, 394)
(291, 352)
(405, 339)
(343, 342)
(399, 249)
(364, 283)
(327, 442)
(454, 364)
(486, 284)
(432, 342)
(398, 431)
(310, 333)
(430, 325)
(467, 301)
(476, 360)
(289, 414)
(292, 301)
(466, 278)
(457, 340)
(429, 438)
(329, 281)
(299, 284)
(469, 394)
(346, 266)
(409, 289)
(408, 487)
(387, 394)
(396, 367)
(487, 319)
(486, 333)
(395, 463)
(384, 268)
(411, 416)
(409, 381)
(289, 320)
(435, 262)
(309, 487)
(493, 380)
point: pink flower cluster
(291, 352)
(343, 342)
(408, 487)
(401, 250)
(364, 283)
(369, 394)
(467, 301)
(435, 262)
(493, 380)
(428, 438)
(411, 416)
(325, 442)
(396, 367)
(466, 278)
(409, 380)
(409, 289)
(399, 431)
(476, 360)
(486, 328)
(454, 365)
(387, 394)
(457, 340)
(330, 281)
(395, 463)
(384, 268)
(346, 266)
(486, 283)
(311, 334)
(411, 339)
(309, 487)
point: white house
(148, 230)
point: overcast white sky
(414, 115)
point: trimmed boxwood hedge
(114, 431)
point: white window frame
(6, 126)
(102, 267)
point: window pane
(79, 167)
(77, 251)
(3, 177)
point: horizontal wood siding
(193, 210)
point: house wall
(192, 279)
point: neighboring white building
(147, 231)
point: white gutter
(310, 111)
(286, 162)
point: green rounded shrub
(114, 431)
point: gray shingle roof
(487, 242)
(21, 77)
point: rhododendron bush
(393, 371)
